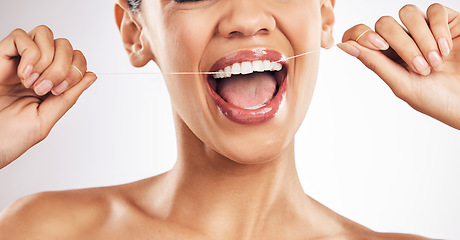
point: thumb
(393, 74)
(54, 107)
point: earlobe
(132, 35)
(328, 20)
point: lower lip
(250, 116)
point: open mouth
(249, 85)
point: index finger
(19, 43)
(438, 17)
(43, 37)
(366, 37)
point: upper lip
(248, 56)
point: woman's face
(248, 118)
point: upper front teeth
(248, 68)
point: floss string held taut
(210, 73)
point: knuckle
(18, 32)
(45, 60)
(77, 53)
(73, 77)
(361, 26)
(43, 29)
(64, 44)
(61, 73)
(346, 35)
(408, 10)
(383, 23)
(34, 53)
(64, 41)
(80, 56)
(356, 30)
(435, 7)
(58, 73)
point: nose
(246, 18)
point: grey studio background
(361, 151)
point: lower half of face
(250, 110)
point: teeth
(228, 71)
(258, 66)
(221, 74)
(236, 68)
(267, 65)
(248, 68)
(277, 66)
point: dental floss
(210, 73)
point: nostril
(234, 33)
(263, 30)
(242, 34)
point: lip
(248, 56)
(263, 113)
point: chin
(256, 144)
(254, 155)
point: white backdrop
(361, 151)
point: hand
(40, 79)
(421, 66)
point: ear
(328, 20)
(136, 46)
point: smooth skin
(209, 195)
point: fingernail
(435, 60)
(27, 71)
(44, 87)
(378, 41)
(91, 83)
(348, 48)
(59, 89)
(444, 46)
(421, 65)
(31, 80)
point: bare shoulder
(76, 214)
(371, 235)
(350, 230)
(55, 215)
(398, 236)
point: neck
(211, 191)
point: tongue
(247, 91)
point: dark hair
(134, 5)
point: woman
(235, 176)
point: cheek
(304, 36)
(301, 23)
(187, 36)
(184, 47)
(303, 85)
(187, 98)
